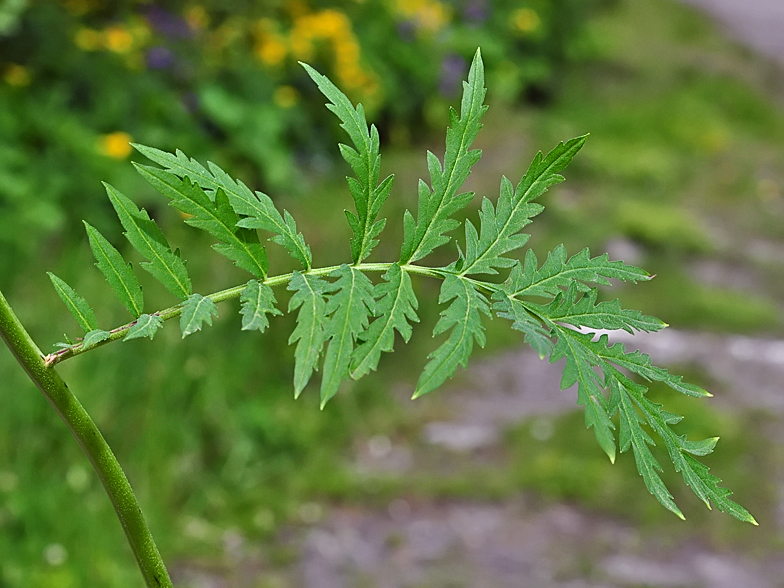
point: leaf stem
(92, 443)
(174, 311)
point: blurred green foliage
(79, 79)
(230, 450)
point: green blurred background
(683, 175)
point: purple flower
(476, 11)
(167, 23)
(159, 57)
(453, 69)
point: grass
(686, 136)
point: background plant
(337, 313)
(81, 79)
(669, 137)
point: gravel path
(756, 23)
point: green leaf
(396, 305)
(575, 347)
(463, 318)
(196, 311)
(440, 201)
(257, 207)
(640, 364)
(147, 238)
(145, 326)
(92, 338)
(557, 272)
(631, 434)
(572, 308)
(257, 301)
(117, 271)
(500, 227)
(348, 310)
(536, 335)
(365, 160)
(214, 215)
(309, 333)
(696, 475)
(76, 305)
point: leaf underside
(145, 326)
(196, 311)
(309, 334)
(463, 320)
(396, 305)
(348, 308)
(257, 300)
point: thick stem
(92, 443)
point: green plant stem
(174, 311)
(92, 443)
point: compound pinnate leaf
(582, 310)
(631, 434)
(117, 271)
(396, 305)
(213, 215)
(145, 326)
(640, 364)
(257, 301)
(681, 451)
(257, 207)
(500, 226)
(147, 238)
(558, 272)
(578, 370)
(464, 320)
(76, 305)
(196, 311)
(339, 313)
(439, 202)
(536, 334)
(365, 161)
(309, 334)
(348, 309)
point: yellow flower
(88, 39)
(269, 46)
(301, 42)
(118, 39)
(285, 96)
(430, 15)
(271, 51)
(77, 7)
(116, 145)
(17, 75)
(525, 20)
(197, 18)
